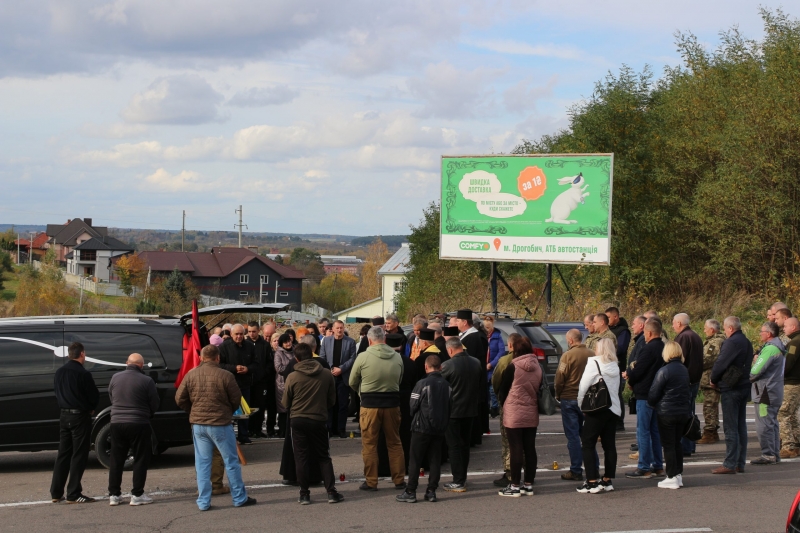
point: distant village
(88, 256)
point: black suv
(32, 348)
(545, 346)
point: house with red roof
(38, 248)
(232, 273)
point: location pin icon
(497, 243)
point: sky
(315, 116)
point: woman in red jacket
(519, 396)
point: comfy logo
(474, 246)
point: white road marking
(675, 530)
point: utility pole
(183, 230)
(18, 248)
(240, 225)
(30, 250)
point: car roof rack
(61, 319)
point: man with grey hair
(134, 401)
(339, 351)
(692, 346)
(711, 395)
(376, 376)
(463, 372)
(766, 375)
(239, 358)
(413, 348)
(731, 374)
(392, 327)
(567, 382)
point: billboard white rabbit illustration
(553, 208)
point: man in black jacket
(619, 327)
(238, 357)
(692, 346)
(735, 358)
(463, 373)
(640, 377)
(262, 377)
(477, 345)
(430, 408)
(77, 396)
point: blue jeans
(572, 418)
(493, 399)
(648, 438)
(205, 439)
(687, 445)
(734, 417)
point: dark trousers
(271, 407)
(73, 452)
(522, 443)
(242, 424)
(310, 444)
(621, 420)
(734, 416)
(138, 439)
(258, 398)
(458, 435)
(602, 424)
(338, 416)
(671, 429)
(425, 446)
(687, 445)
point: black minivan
(32, 348)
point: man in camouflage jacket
(711, 395)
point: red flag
(191, 347)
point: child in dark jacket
(430, 411)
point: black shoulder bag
(597, 397)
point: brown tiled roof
(218, 263)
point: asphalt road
(756, 501)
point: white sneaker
(114, 500)
(670, 483)
(680, 479)
(144, 499)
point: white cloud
(117, 130)
(452, 93)
(522, 48)
(161, 180)
(263, 96)
(522, 96)
(181, 99)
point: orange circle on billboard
(532, 183)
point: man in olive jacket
(210, 395)
(308, 394)
(787, 414)
(376, 376)
(567, 381)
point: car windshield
(537, 334)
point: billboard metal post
(493, 281)
(548, 288)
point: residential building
(232, 273)
(392, 274)
(92, 258)
(38, 248)
(336, 264)
(64, 237)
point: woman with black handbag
(671, 397)
(601, 410)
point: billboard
(527, 208)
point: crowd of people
(426, 397)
